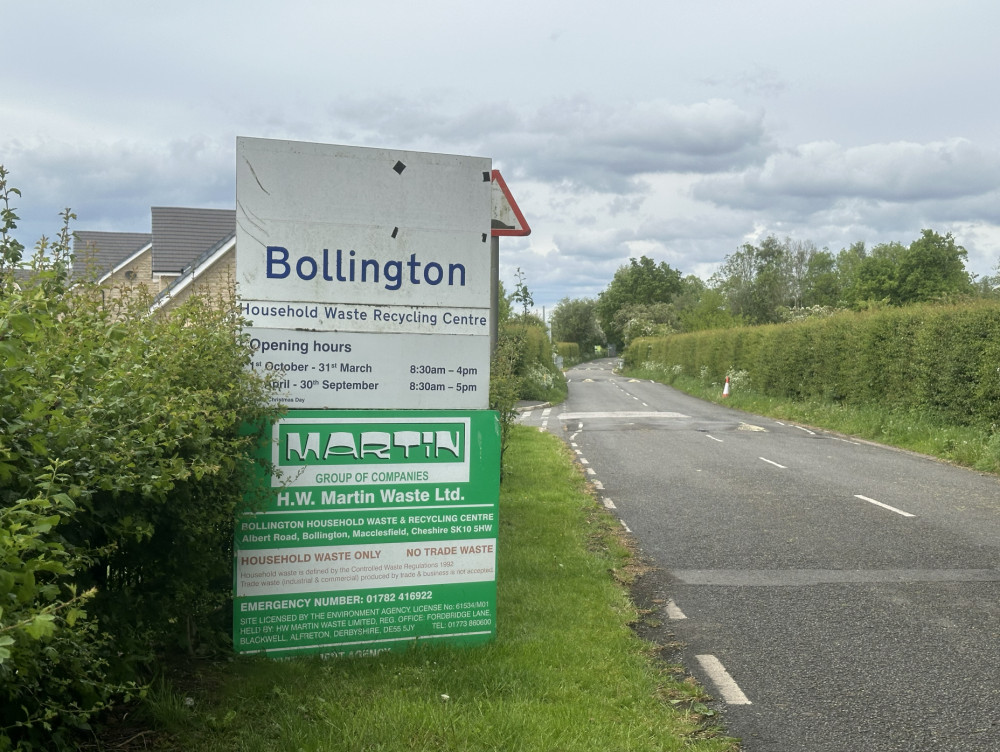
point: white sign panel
(366, 370)
(384, 254)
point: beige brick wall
(217, 282)
(136, 276)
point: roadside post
(366, 276)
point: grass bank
(919, 431)
(565, 673)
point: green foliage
(642, 282)
(569, 352)
(576, 321)
(121, 467)
(937, 359)
(521, 295)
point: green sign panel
(380, 529)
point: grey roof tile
(182, 235)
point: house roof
(106, 250)
(182, 235)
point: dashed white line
(884, 506)
(608, 504)
(723, 682)
(583, 461)
(811, 433)
(673, 611)
(598, 485)
(772, 462)
(590, 471)
(625, 526)
(713, 438)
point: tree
(522, 295)
(757, 281)
(576, 321)
(642, 282)
(933, 267)
(822, 283)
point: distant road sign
(507, 218)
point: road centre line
(623, 414)
(772, 462)
(726, 685)
(884, 506)
(673, 611)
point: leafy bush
(121, 468)
(569, 352)
(941, 360)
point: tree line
(772, 281)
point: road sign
(379, 531)
(507, 218)
(366, 262)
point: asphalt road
(831, 594)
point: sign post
(365, 275)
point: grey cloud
(112, 185)
(811, 177)
(577, 142)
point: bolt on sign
(365, 278)
(379, 530)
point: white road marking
(590, 471)
(673, 611)
(583, 461)
(623, 414)
(625, 526)
(723, 682)
(608, 504)
(772, 462)
(598, 485)
(884, 506)
(713, 438)
(811, 433)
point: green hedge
(944, 359)
(569, 352)
(122, 465)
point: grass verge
(565, 673)
(922, 432)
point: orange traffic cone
(725, 390)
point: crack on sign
(251, 220)
(254, 173)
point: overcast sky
(673, 129)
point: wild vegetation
(523, 365)
(772, 282)
(122, 462)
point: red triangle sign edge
(523, 229)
